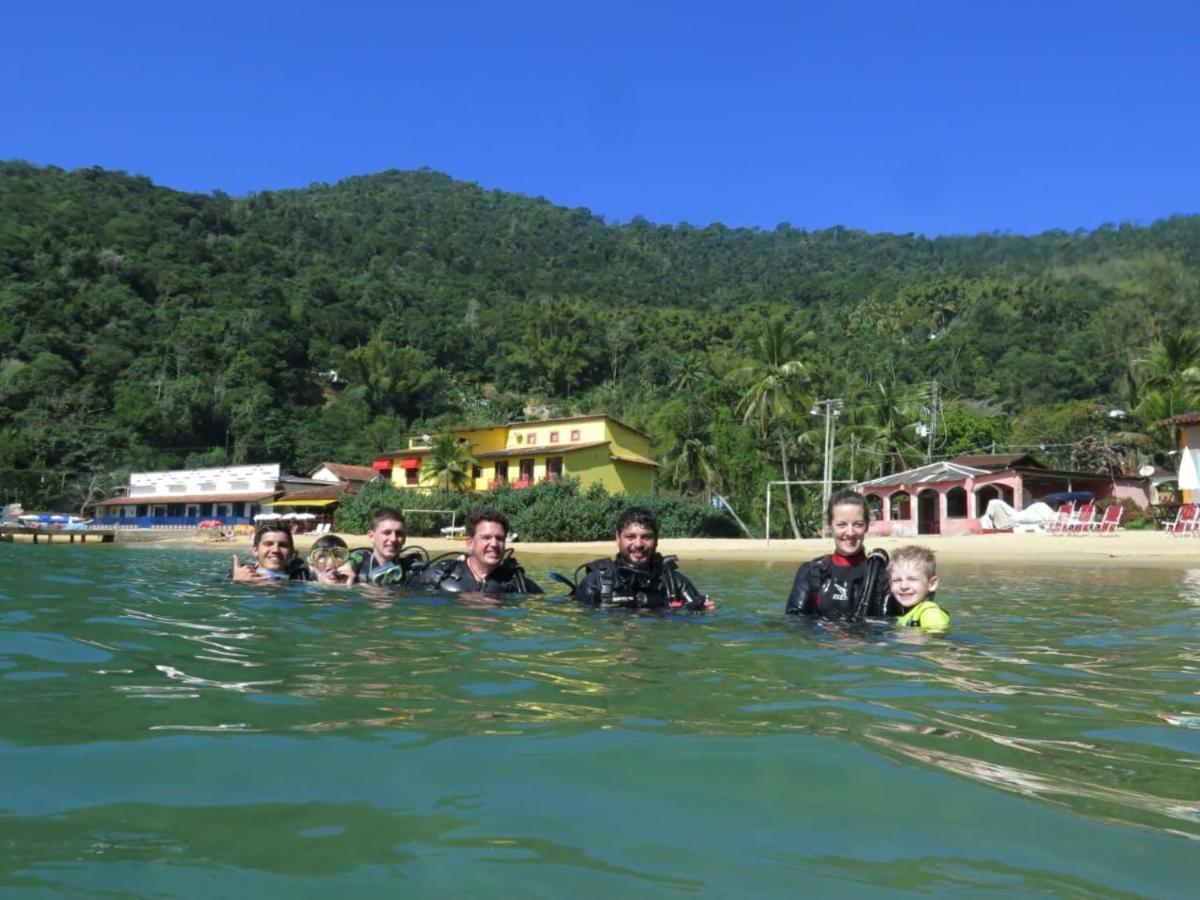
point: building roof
(996, 460)
(1189, 418)
(930, 474)
(328, 492)
(160, 499)
(632, 458)
(531, 423)
(347, 472)
(405, 451)
(540, 450)
(953, 471)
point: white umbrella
(289, 515)
(1189, 475)
(305, 516)
(262, 517)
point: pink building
(949, 497)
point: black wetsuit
(297, 570)
(456, 577)
(831, 587)
(395, 572)
(618, 582)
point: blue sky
(907, 117)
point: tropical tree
(691, 467)
(1169, 363)
(1156, 405)
(894, 414)
(449, 464)
(776, 383)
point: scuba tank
(877, 561)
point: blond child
(913, 574)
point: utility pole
(832, 408)
(933, 411)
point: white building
(183, 496)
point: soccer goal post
(450, 530)
(824, 499)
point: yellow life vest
(927, 615)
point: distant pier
(10, 532)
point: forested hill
(144, 326)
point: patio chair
(1082, 521)
(1111, 521)
(1185, 520)
(1062, 520)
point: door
(928, 513)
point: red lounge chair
(1059, 525)
(1082, 520)
(1185, 520)
(1111, 521)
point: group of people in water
(847, 584)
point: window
(526, 466)
(477, 472)
(502, 471)
(554, 468)
(875, 505)
(554, 437)
(412, 476)
(575, 435)
(901, 505)
(531, 438)
(956, 503)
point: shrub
(1134, 516)
(549, 511)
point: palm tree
(894, 417)
(691, 467)
(1172, 362)
(776, 382)
(450, 464)
(1156, 405)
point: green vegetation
(550, 511)
(142, 327)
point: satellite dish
(1146, 471)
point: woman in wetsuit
(831, 587)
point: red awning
(410, 463)
(382, 465)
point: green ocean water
(164, 733)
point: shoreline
(1142, 549)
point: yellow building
(596, 449)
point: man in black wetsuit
(274, 558)
(639, 576)
(484, 568)
(382, 563)
(831, 587)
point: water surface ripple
(167, 733)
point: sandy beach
(1128, 548)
